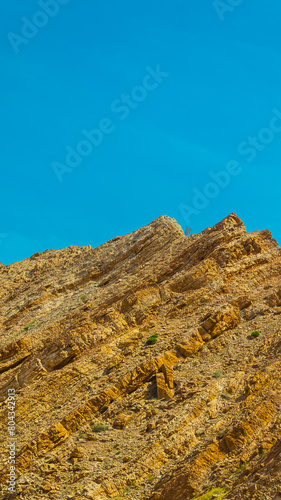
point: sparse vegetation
(226, 395)
(83, 435)
(99, 366)
(219, 492)
(255, 334)
(152, 340)
(13, 336)
(100, 427)
(29, 325)
(238, 471)
(116, 498)
(120, 497)
(208, 487)
(243, 465)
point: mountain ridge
(73, 345)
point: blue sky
(218, 96)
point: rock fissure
(100, 412)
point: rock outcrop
(100, 412)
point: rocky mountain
(148, 368)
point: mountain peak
(145, 368)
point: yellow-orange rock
(75, 363)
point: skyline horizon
(115, 114)
(163, 215)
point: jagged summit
(103, 412)
(164, 221)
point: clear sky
(114, 113)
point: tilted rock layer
(101, 413)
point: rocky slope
(102, 414)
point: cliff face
(102, 414)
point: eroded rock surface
(100, 413)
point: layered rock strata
(100, 413)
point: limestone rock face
(99, 412)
